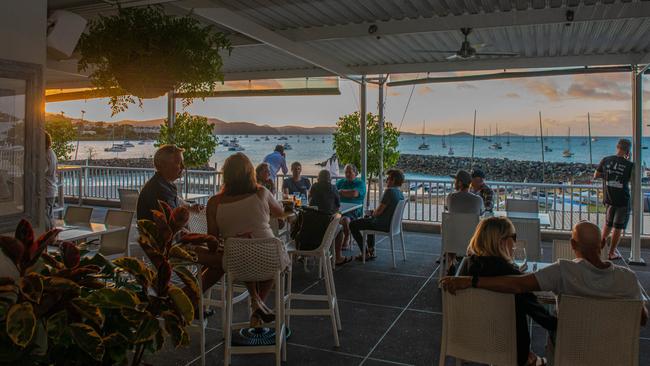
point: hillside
(220, 127)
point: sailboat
(451, 149)
(546, 148)
(508, 139)
(423, 145)
(496, 145)
(567, 153)
(444, 144)
(115, 147)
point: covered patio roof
(301, 38)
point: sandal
(370, 255)
(345, 260)
(537, 361)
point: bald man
(586, 276)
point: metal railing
(566, 204)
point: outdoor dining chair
(323, 254)
(395, 230)
(256, 260)
(528, 231)
(77, 215)
(128, 199)
(198, 223)
(479, 326)
(457, 229)
(116, 244)
(562, 250)
(517, 205)
(580, 340)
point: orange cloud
(602, 86)
(424, 90)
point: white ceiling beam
(500, 64)
(586, 13)
(255, 31)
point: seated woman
(352, 190)
(296, 183)
(490, 254)
(324, 195)
(263, 174)
(380, 218)
(241, 209)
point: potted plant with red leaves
(41, 302)
(169, 308)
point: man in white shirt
(51, 187)
(587, 275)
(463, 201)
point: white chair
(115, 245)
(593, 332)
(198, 223)
(562, 250)
(77, 215)
(528, 231)
(479, 326)
(395, 230)
(128, 199)
(457, 229)
(282, 234)
(324, 255)
(255, 260)
(516, 205)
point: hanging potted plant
(144, 53)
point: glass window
(12, 145)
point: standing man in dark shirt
(168, 161)
(616, 171)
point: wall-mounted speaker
(63, 31)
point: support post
(171, 108)
(637, 131)
(363, 133)
(380, 108)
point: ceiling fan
(467, 50)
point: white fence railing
(566, 204)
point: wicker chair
(255, 260)
(479, 326)
(607, 334)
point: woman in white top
(243, 209)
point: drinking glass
(519, 256)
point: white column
(380, 108)
(364, 137)
(637, 131)
(171, 108)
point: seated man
(324, 195)
(380, 218)
(352, 190)
(481, 189)
(587, 275)
(168, 161)
(296, 183)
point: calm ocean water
(313, 149)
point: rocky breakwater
(505, 170)
(123, 163)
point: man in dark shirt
(382, 215)
(296, 183)
(168, 161)
(616, 171)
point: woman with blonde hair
(490, 254)
(243, 209)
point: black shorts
(617, 216)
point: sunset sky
(514, 104)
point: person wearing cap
(461, 201)
(277, 160)
(481, 189)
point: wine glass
(519, 256)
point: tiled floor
(389, 316)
